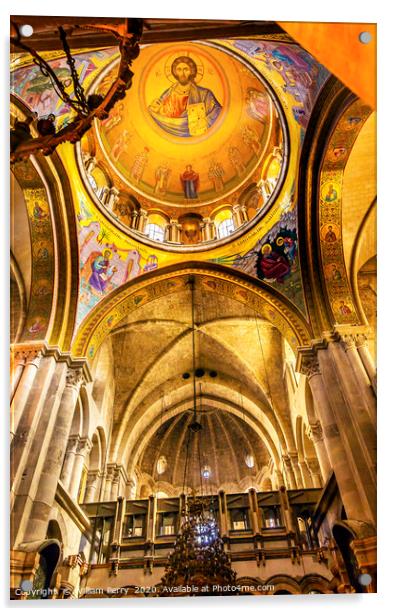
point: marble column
(32, 359)
(172, 231)
(113, 198)
(207, 229)
(69, 459)
(142, 220)
(338, 432)
(91, 486)
(82, 451)
(46, 491)
(237, 216)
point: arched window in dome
(155, 228)
(249, 460)
(224, 223)
(155, 232)
(162, 465)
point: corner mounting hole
(26, 30)
(365, 37)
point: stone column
(32, 359)
(130, 489)
(295, 465)
(68, 464)
(316, 436)
(337, 432)
(115, 483)
(83, 449)
(142, 220)
(110, 468)
(315, 473)
(134, 219)
(172, 231)
(361, 376)
(47, 486)
(244, 213)
(367, 360)
(237, 216)
(113, 198)
(290, 475)
(91, 486)
(306, 476)
(207, 229)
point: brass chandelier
(199, 563)
(22, 140)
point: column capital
(309, 365)
(84, 446)
(74, 377)
(348, 341)
(315, 431)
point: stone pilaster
(295, 465)
(222, 514)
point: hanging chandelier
(86, 109)
(199, 563)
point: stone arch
(283, 585)
(316, 582)
(262, 298)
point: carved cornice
(21, 350)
